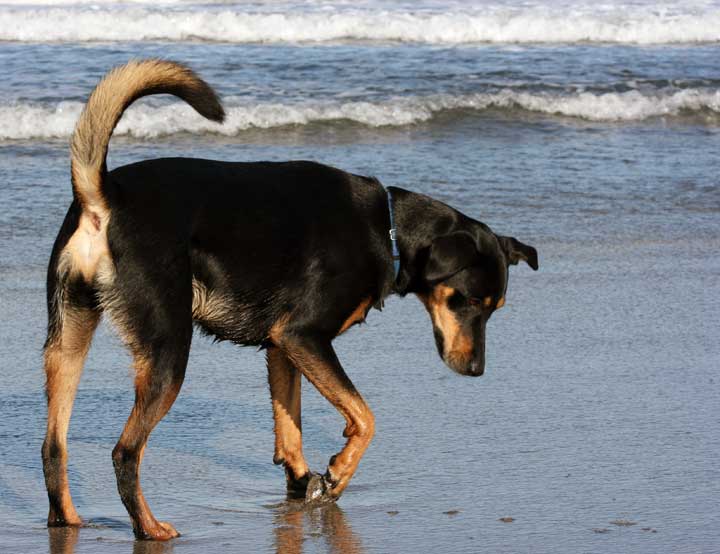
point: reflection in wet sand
(293, 523)
(153, 547)
(296, 520)
(62, 540)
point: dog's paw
(297, 488)
(159, 531)
(319, 489)
(68, 519)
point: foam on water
(35, 121)
(434, 24)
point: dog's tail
(111, 97)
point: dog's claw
(318, 489)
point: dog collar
(393, 236)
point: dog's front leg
(284, 380)
(316, 359)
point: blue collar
(393, 236)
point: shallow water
(596, 427)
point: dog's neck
(420, 219)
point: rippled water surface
(596, 425)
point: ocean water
(589, 130)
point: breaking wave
(36, 121)
(632, 24)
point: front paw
(296, 486)
(156, 531)
(70, 518)
(319, 489)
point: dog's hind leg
(284, 380)
(71, 327)
(158, 329)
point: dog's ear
(449, 254)
(516, 251)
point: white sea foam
(27, 121)
(501, 23)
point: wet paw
(319, 489)
(163, 531)
(66, 520)
(296, 488)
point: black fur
(271, 238)
(236, 248)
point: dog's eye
(484, 302)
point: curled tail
(111, 97)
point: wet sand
(594, 411)
(599, 403)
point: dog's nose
(477, 368)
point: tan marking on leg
(152, 402)
(332, 382)
(278, 329)
(64, 358)
(284, 380)
(359, 434)
(357, 316)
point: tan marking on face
(359, 314)
(487, 301)
(500, 303)
(458, 346)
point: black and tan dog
(282, 255)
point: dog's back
(260, 236)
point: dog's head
(465, 279)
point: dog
(284, 256)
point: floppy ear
(516, 251)
(448, 255)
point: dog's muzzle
(473, 366)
